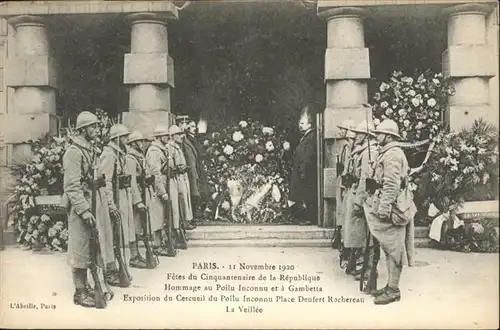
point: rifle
(118, 237)
(171, 249)
(151, 262)
(370, 284)
(102, 291)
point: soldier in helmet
(390, 209)
(135, 166)
(181, 180)
(78, 161)
(355, 230)
(345, 145)
(115, 205)
(159, 163)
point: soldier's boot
(379, 292)
(90, 290)
(390, 295)
(181, 242)
(351, 264)
(111, 277)
(82, 298)
(138, 262)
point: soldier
(182, 181)
(346, 145)
(115, 202)
(157, 159)
(390, 209)
(135, 166)
(355, 230)
(78, 175)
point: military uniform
(78, 174)
(182, 181)
(112, 166)
(157, 158)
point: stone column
(470, 62)
(32, 75)
(347, 68)
(149, 71)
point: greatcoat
(135, 162)
(186, 211)
(303, 180)
(202, 185)
(78, 162)
(192, 161)
(345, 159)
(355, 224)
(390, 170)
(159, 160)
(112, 165)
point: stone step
(258, 243)
(283, 232)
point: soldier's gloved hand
(140, 206)
(89, 219)
(164, 197)
(115, 213)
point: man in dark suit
(194, 153)
(303, 181)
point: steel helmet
(135, 136)
(118, 130)
(160, 130)
(86, 118)
(388, 126)
(346, 124)
(364, 128)
(174, 129)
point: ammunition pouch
(124, 181)
(340, 168)
(348, 180)
(150, 180)
(97, 183)
(372, 185)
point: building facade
(29, 74)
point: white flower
(269, 146)
(214, 195)
(402, 112)
(206, 143)
(431, 102)
(376, 121)
(237, 136)
(259, 158)
(243, 124)
(39, 167)
(415, 102)
(383, 87)
(412, 93)
(286, 145)
(408, 80)
(228, 150)
(267, 130)
(406, 123)
(226, 205)
(384, 104)
(454, 168)
(436, 81)
(388, 112)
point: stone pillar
(149, 71)
(32, 75)
(347, 69)
(470, 62)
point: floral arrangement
(417, 104)
(42, 175)
(478, 236)
(243, 161)
(464, 167)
